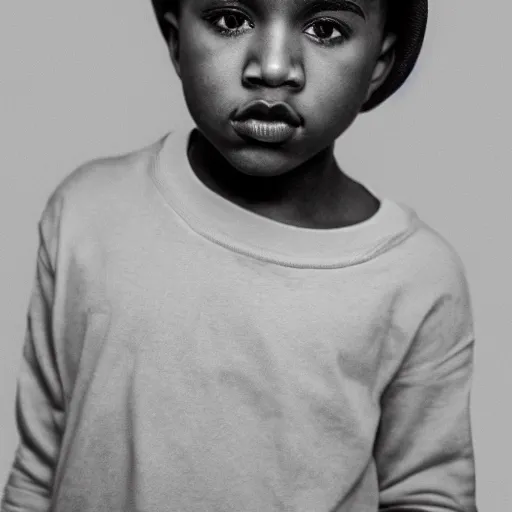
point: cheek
(335, 95)
(337, 82)
(210, 76)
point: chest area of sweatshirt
(199, 315)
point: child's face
(321, 58)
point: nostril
(254, 81)
(258, 81)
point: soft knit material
(183, 355)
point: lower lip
(265, 131)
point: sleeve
(423, 449)
(39, 402)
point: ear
(174, 39)
(385, 63)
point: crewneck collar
(245, 232)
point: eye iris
(324, 30)
(232, 21)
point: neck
(316, 194)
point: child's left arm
(423, 450)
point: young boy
(224, 320)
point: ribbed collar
(249, 233)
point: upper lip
(261, 109)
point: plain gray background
(80, 80)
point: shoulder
(95, 190)
(106, 175)
(427, 259)
(437, 279)
(427, 279)
(436, 300)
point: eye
(231, 23)
(327, 31)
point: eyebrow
(334, 5)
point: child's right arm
(39, 401)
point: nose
(275, 60)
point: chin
(262, 163)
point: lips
(270, 112)
(266, 122)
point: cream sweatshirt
(183, 354)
